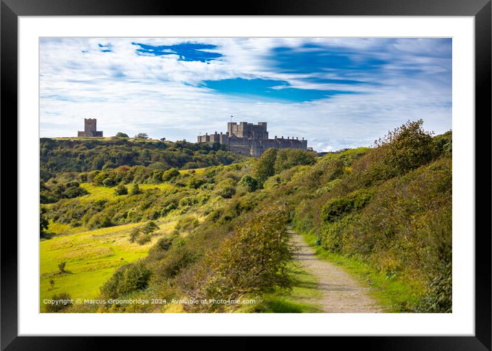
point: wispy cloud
(334, 92)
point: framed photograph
(295, 169)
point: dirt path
(340, 292)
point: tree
(141, 136)
(136, 189)
(265, 165)
(162, 139)
(121, 190)
(61, 267)
(122, 135)
(134, 234)
(43, 223)
(150, 227)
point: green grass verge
(393, 294)
(298, 300)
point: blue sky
(334, 92)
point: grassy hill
(90, 154)
(383, 212)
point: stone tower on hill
(251, 139)
(90, 129)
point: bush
(43, 222)
(252, 261)
(289, 158)
(265, 165)
(249, 182)
(164, 244)
(127, 279)
(144, 239)
(338, 207)
(134, 234)
(195, 183)
(150, 227)
(121, 190)
(60, 302)
(108, 182)
(170, 174)
(227, 192)
(408, 147)
(136, 189)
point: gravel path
(340, 292)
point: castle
(250, 139)
(90, 129)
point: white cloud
(161, 96)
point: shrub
(249, 183)
(170, 174)
(108, 182)
(121, 190)
(408, 147)
(150, 227)
(289, 158)
(226, 192)
(144, 239)
(195, 183)
(186, 224)
(265, 165)
(136, 189)
(60, 302)
(43, 222)
(134, 234)
(336, 208)
(252, 261)
(164, 244)
(141, 136)
(127, 279)
(168, 207)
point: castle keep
(90, 129)
(251, 139)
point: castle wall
(249, 139)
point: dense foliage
(392, 208)
(388, 206)
(72, 155)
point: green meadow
(91, 258)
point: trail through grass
(393, 294)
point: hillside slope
(388, 207)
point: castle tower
(90, 129)
(90, 125)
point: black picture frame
(12, 9)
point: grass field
(102, 192)
(91, 258)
